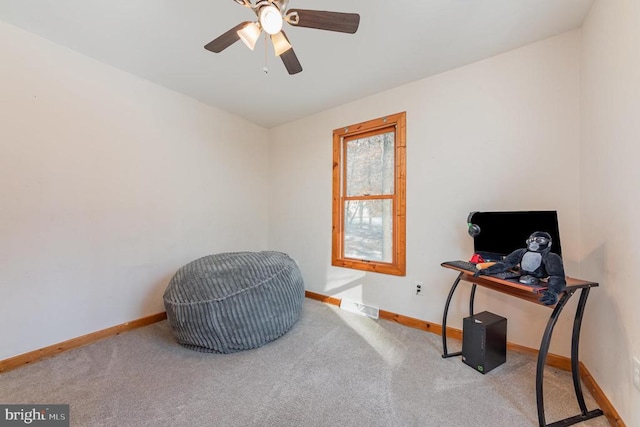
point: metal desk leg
(575, 369)
(542, 355)
(445, 353)
(575, 344)
(472, 298)
(575, 360)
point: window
(369, 191)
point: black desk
(531, 294)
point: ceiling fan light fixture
(250, 34)
(270, 19)
(280, 43)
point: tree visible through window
(369, 195)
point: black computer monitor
(503, 232)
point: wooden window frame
(398, 265)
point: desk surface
(515, 288)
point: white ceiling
(398, 41)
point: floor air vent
(359, 308)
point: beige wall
(109, 184)
(610, 197)
(500, 134)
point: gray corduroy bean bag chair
(235, 301)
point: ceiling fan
(271, 16)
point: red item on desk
(476, 259)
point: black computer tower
(484, 341)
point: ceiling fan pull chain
(265, 68)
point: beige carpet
(333, 368)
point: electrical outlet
(636, 372)
(418, 288)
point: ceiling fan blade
(226, 39)
(245, 3)
(323, 20)
(291, 62)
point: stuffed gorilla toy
(536, 262)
